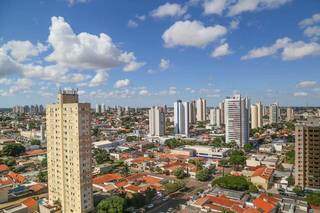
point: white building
(208, 151)
(181, 118)
(237, 120)
(212, 116)
(218, 117)
(98, 108)
(201, 109)
(156, 121)
(260, 114)
(221, 107)
(290, 114)
(274, 113)
(254, 116)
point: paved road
(170, 203)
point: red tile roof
(37, 187)
(265, 203)
(263, 172)
(17, 178)
(35, 152)
(106, 178)
(30, 202)
(3, 168)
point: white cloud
(310, 21)
(8, 65)
(290, 50)
(132, 24)
(312, 32)
(21, 84)
(144, 92)
(220, 51)
(23, 50)
(300, 94)
(300, 49)
(254, 5)
(164, 64)
(6, 81)
(132, 64)
(99, 79)
(192, 33)
(307, 84)
(214, 6)
(168, 9)
(122, 83)
(141, 17)
(234, 24)
(84, 51)
(72, 2)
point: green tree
(10, 161)
(239, 183)
(290, 156)
(174, 186)
(253, 188)
(14, 149)
(43, 176)
(179, 173)
(314, 198)
(35, 142)
(237, 158)
(132, 138)
(101, 156)
(44, 162)
(150, 194)
(114, 204)
(298, 190)
(203, 175)
(248, 147)
(290, 180)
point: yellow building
(262, 177)
(69, 153)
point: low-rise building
(262, 177)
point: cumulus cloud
(214, 6)
(21, 84)
(168, 9)
(164, 64)
(307, 84)
(84, 51)
(192, 33)
(8, 65)
(300, 94)
(23, 50)
(310, 21)
(99, 79)
(220, 51)
(289, 50)
(312, 32)
(144, 92)
(132, 24)
(234, 24)
(254, 5)
(122, 83)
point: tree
(239, 183)
(14, 149)
(35, 142)
(114, 204)
(150, 194)
(314, 198)
(253, 188)
(10, 161)
(43, 176)
(203, 175)
(132, 138)
(290, 180)
(248, 147)
(174, 186)
(44, 162)
(237, 158)
(179, 173)
(101, 156)
(290, 156)
(298, 190)
(125, 170)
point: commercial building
(201, 109)
(181, 118)
(208, 151)
(156, 121)
(69, 153)
(237, 120)
(307, 152)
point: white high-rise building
(192, 112)
(213, 117)
(68, 125)
(181, 118)
(290, 114)
(237, 120)
(260, 114)
(103, 108)
(201, 109)
(221, 107)
(218, 117)
(98, 108)
(254, 116)
(274, 113)
(156, 121)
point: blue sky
(143, 53)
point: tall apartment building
(69, 153)
(218, 117)
(98, 108)
(290, 114)
(156, 121)
(274, 113)
(237, 120)
(192, 112)
(221, 107)
(260, 114)
(212, 116)
(181, 118)
(254, 116)
(201, 109)
(307, 154)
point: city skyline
(133, 55)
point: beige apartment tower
(307, 154)
(69, 153)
